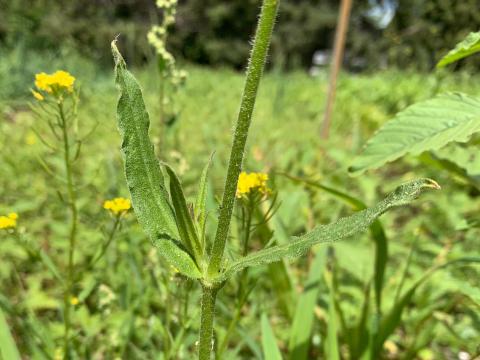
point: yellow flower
(9, 221)
(37, 95)
(58, 354)
(250, 182)
(42, 82)
(74, 300)
(59, 80)
(117, 206)
(31, 139)
(63, 79)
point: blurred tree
(217, 32)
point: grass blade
(331, 345)
(269, 343)
(304, 313)
(8, 348)
(391, 321)
(360, 335)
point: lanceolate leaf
(376, 229)
(200, 209)
(467, 47)
(338, 230)
(143, 174)
(424, 126)
(185, 225)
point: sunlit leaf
(338, 230)
(467, 47)
(143, 174)
(427, 125)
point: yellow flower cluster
(252, 181)
(50, 83)
(74, 300)
(9, 221)
(117, 206)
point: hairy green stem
(209, 296)
(72, 203)
(254, 73)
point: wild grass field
(133, 305)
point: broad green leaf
(424, 126)
(302, 325)
(465, 157)
(200, 210)
(143, 174)
(336, 231)
(185, 224)
(463, 49)
(8, 348)
(392, 320)
(269, 343)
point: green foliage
(133, 305)
(463, 155)
(467, 47)
(419, 33)
(269, 343)
(427, 125)
(332, 350)
(200, 209)
(144, 176)
(8, 349)
(344, 227)
(393, 318)
(302, 324)
(186, 228)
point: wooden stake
(340, 37)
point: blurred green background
(125, 303)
